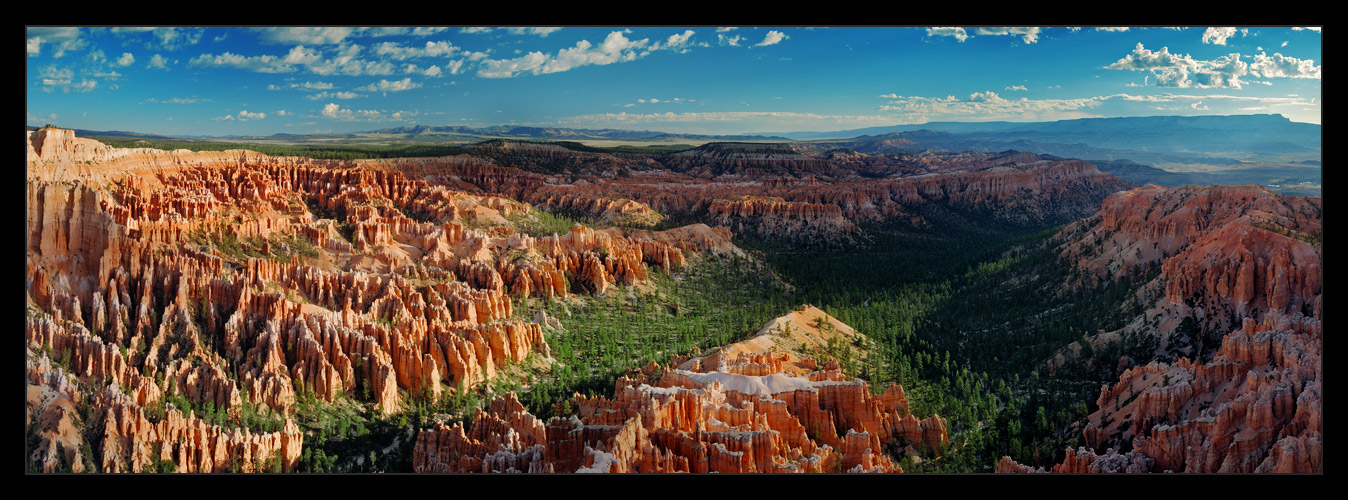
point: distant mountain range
(1152, 139)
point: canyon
(186, 309)
(1240, 306)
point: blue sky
(710, 80)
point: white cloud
(1112, 28)
(1312, 28)
(888, 96)
(1218, 36)
(345, 62)
(53, 34)
(245, 116)
(157, 62)
(1027, 34)
(69, 38)
(301, 55)
(175, 38)
(989, 105)
(333, 95)
(1172, 70)
(126, 60)
(678, 39)
(543, 32)
(433, 71)
(1280, 66)
(281, 112)
(475, 29)
(733, 41)
(178, 100)
(311, 36)
(615, 48)
(333, 111)
(261, 64)
(1016, 87)
(53, 77)
(956, 32)
(724, 29)
(399, 53)
(69, 46)
(772, 38)
(387, 86)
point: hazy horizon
(699, 80)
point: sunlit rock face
(237, 279)
(750, 411)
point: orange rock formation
(739, 415)
(232, 277)
(1245, 262)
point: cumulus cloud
(175, 38)
(245, 116)
(399, 53)
(956, 32)
(341, 60)
(310, 36)
(1112, 28)
(387, 86)
(543, 32)
(345, 61)
(260, 64)
(678, 39)
(1016, 87)
(1027, 34)
(724, 29)
(397, 31)
(65, 39)
(616, 47)
(333, 95)
(1312, 28)
(333, 111)
(1218, 36)
(1280, 66)
(157, 62)
(733, 41)
(1172, 70)
(126, 60)
(772, 38)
